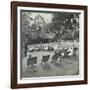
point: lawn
(68, 66)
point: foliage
(63, 26)
(65, 23)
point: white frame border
(54, 78)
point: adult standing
(25, 48)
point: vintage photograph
(49, 43)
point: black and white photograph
(49, 43)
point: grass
(69, 66)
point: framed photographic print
(48, 44)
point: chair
(32, 61)
(45, 59)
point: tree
(62, 22)
(25, 28)
(40, 26)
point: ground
(68, 66)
